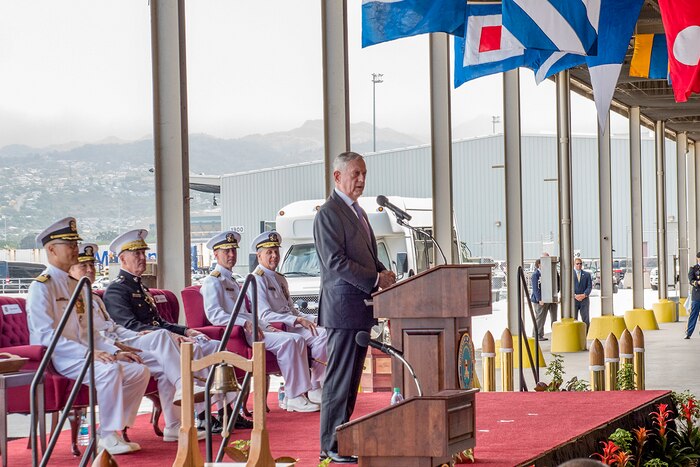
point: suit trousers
(583, 307)
(541, 313)
(693, 318)
(345, 362)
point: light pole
(495, 119)
(376, 78)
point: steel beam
(636, 208)
(605, 217)
(660, 140)
(681, 150)
(566, 237)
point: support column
(171, 143)
(681, 149)
(569, 335)
(692, 204)
(514, 198)
(441, 146)
(664, 310)
(607, 323)
(638, 315)
(336, 101)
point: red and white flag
(681, 20)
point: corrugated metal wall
(251, 197)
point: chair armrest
(32, 352)
(212, 332)
(280, 326)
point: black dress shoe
(216, 426)
(243, 423)
(337, 458)
(686, 337)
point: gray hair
(581, 462)
(342, 159)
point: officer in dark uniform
(694, 280)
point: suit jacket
(585, 285)
(694, 280)
(536, 286)
(349, 266)
(130, 304)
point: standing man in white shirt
(275, 305)
(220, 292)
(120, 377)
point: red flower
(688, 409)
(661, 418)
(610, 450)
(622, 458)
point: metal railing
(522, 333)
(245, 386)
(88, 366)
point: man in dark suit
(583, 284)
(694, 281)
(537, 303)
(350, 272)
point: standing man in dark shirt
(694, 281)
(350, 272)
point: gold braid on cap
(139, 244)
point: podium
(429, 313)
(419, 432)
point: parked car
(654, 278)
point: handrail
(522, 333)
(88, 365)
(251, 283)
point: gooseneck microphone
(363, 339)
(400, 213)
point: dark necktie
(361, 216)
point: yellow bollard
(506, 361)
(626, 348)
(638, 345)
(612, 362)
(488, 359)
(595, 356)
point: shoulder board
(215, 273)
(42, 278)
(259, 272)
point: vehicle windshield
(301, 260)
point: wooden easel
(188, 453)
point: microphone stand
(402, 222)
(410, 370)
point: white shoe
(171, 435)
(316, 395)
(115, 445)
(301, 404)
(198, 395)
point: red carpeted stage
(513, 429)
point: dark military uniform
(130, 304)
(694, 281)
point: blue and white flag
(554, 25)
(386, 20)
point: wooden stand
(188, 454)
(376, 377)
(420, 432)
(429, 313)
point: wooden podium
(419, 432)
(428, 314)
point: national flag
(481, 52)
(554, 25)
(681, 20)
(650, 57)
(386, 20)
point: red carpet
(512, 429)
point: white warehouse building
(251, 200)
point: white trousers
(292, 358)
(119, 387)
(319, 354)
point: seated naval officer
(120, 377)
(157, 349)
(275, 305)
(130, 304)
(220, 292)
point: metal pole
(692, 203)
(336, 100)
(441, 147)
(660, 140)
(681, 150)
(636, 208)
(374, 115)
(605, 213)
(170, 135)
(513, 180)
(566, 239)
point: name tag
(11, 309)
(136, 295)
(160, 299)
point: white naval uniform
(159, 351)
(275, 306)
(220, 291)
(119, 386)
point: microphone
(400, 213)
(363, 340)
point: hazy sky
(80, 70)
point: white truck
(402, 250)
